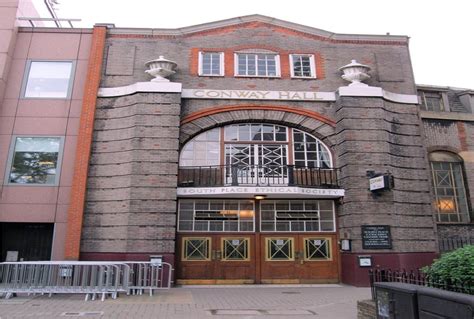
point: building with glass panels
(248, 150)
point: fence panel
(453, 243)
(415, 277)
(89, 278)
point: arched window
(255, 154)
(450, 204)
(255, 144)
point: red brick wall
(76, 208)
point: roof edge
(258, 18)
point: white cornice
(296, 96)
(371, 91)
(148, 87)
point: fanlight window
(255, 144)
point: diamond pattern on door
(317, 249)
(279, 249)
(235, 249)
(196, 249)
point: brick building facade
(253, 164)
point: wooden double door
(257, 258)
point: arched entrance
(252, 207)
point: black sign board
(376, 237)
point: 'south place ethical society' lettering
(196, 191)
(258, 95)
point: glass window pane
(244, 132)
(211, 63)
(48, 79)
(202, 150)
(302, 66)
(35, 160)
(256, 132)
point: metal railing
(83, 277)
(56, 21)
(256, 175)
(415, 277)
(453, 243)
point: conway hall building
(249, 150)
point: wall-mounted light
(260, 197)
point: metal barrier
(84, 277)
(90, 278)
(146, 275)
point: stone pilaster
(373, 134)
(131, 191)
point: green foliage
(454, 268)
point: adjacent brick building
(252, 165)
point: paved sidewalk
(227, 302)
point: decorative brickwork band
(227, 108)
(76, 208)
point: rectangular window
(431, 101)
(297, 216)
(35, 160)
(211, 63)
(302, 66)
(257, 64)
(48, 79)
(216, 215)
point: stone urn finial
(160, 68)
(356, 73)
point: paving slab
(211, 302)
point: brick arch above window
(308, 121)
(443, 148)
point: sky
(441, 32)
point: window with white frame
(257, 64)
(297, 215)
(203, 150)
(35, 160)
(302, 66)
(216, 215)
(207, 148)
(211, 63)
(48, 79)
(309, 151)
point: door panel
(229, 257)
(299, 258)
